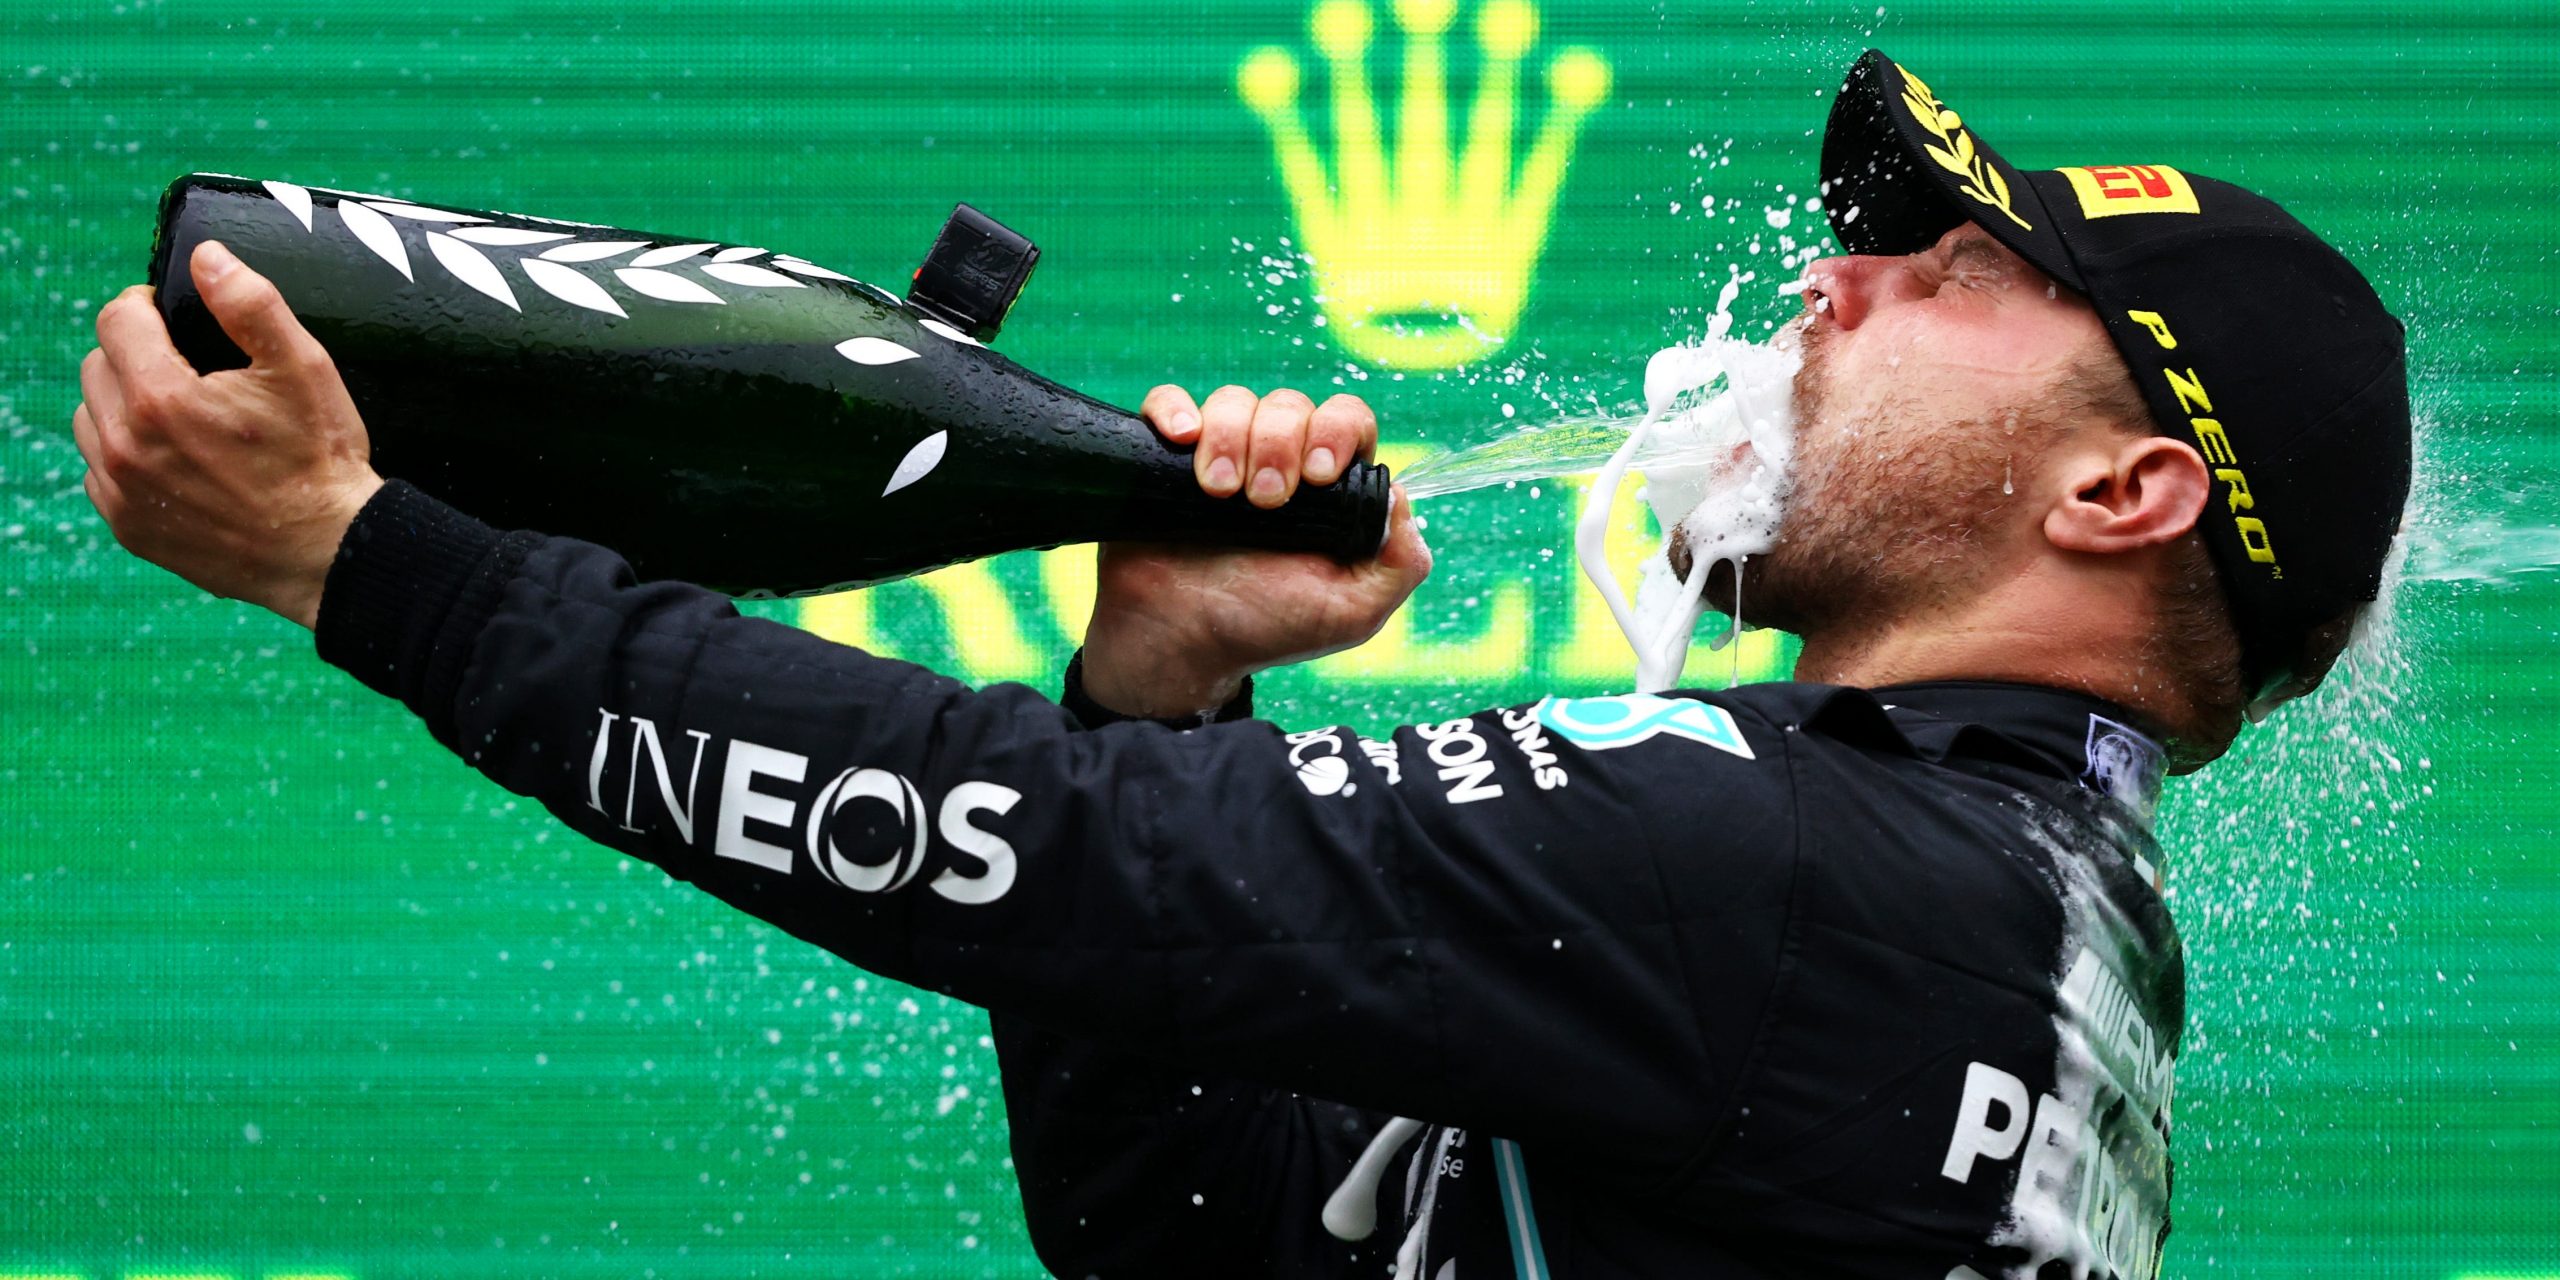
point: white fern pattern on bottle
(570, 287)
(590, 250)
(508, 236)
(670, 255)
(375, 232)
(800, 267)
(873, 351)
(750, 275)
(454, 240)
(370, 219)
(472, 267)
(666, 286)
(419, 212)
(919, 462)
(295, 200)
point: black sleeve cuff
(1094, 715)
(413, 582)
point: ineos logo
(906, 806)
(743, 801)
(903, 800)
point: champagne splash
(1567, 447)
(2485, 552)
(1720, 421)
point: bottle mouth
(1371, 493)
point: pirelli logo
(2240, 504)
(2107, 190)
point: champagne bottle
(721, 414)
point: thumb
(1406, 558)
(249, 308)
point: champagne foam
(1719, 438)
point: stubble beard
(1887, 518)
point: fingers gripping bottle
(721, 414)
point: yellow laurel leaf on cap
(1946, 159)
(1989, 175)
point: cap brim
(1901, 169)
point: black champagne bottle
(720, 414)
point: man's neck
(2063, 630)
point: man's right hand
(1176, 629)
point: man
(1866, 975)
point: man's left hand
(241, 482)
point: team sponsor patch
(1317, 756)
(1530, 736)
(1459, 756)
(1324, 768)
(2106, 190)
(2124, 763)
(895, 831)
(1605, 724)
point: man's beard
(1886, 519)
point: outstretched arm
(1420, 926)
(241, 482)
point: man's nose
(1858, 285)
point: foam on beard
(1716, 445)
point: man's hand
(1177, 629)
(241, 482)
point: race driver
(1865, 975)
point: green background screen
(285, 989)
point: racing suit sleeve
(1418, 927)
(1131, 1166)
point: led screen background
(285, 989)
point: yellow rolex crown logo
(1423, 259)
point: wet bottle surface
(718, 414)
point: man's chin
(1747, 593)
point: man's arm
(1133, 1166)
(1378, 938)
(1426, 926)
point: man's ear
(2141, 493)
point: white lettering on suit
(763, 784)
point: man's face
(1932, 385)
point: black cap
(973, 273)
(2250, 337)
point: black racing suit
(1786, 981)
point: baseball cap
(2250, 337)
